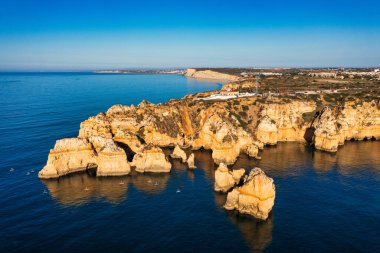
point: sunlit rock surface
(356, 121)
(228, 128)
(210, 74)
(255, 197)
(68, 155)
(77, 154)
(225, 179)
(111, 160)
(151, 159)
(190, 161)
(179, 153)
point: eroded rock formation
(151, 159)
(190, 161)
(255, 197)
(227, 128)
(68, 155)
(225, 179)
(179, 153)
(78, 154)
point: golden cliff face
(255, 197)
(228, 128)
(210, 74)
(355, 120)
(78, 154)
(283, 122)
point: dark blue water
(324, 202)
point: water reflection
(292, 159)
(150, 183)
(282, 161)
(285, 159)
(257, 233)
(204, 161)
(81, 188)
(354, 157)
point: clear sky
(94, 34)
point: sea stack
(225, 179)
(255, 197)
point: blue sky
(85, 35)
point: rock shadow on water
(350, 159)
(281, 160)
(150, 182)
(204, 161)
(81, 188)
(257, 233)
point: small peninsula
(252, 111)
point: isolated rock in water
(190, 161)
(225, 180)
(255, 197)
(179, 153)
(68, 155)
(151, 159)
(111, 159)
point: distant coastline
(142, 71)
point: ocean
(324, 202)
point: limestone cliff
(151, 159)
(227, 128)
(78, 154)
(210, 74)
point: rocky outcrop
(178, 153)
(111, 160)
(283, 121)
(228, 128)
(128, 138)
(255, 197)
(356, 121)
(78, 154)
(225, 179)
(68, 156)
(190, 161)
(151, 159)
(224, 135)
(210, 74)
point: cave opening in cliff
(91, 169)
(130, 154)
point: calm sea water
(324, 202)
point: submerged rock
(255, 197)
(179, 153)
(225, 179)
(151, 159)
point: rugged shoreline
(137, 137)
(227, 128)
